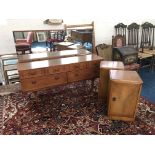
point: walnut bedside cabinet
(105, 67)
(124, 92)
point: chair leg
(30, 50)
(23, 52)
(152, 63)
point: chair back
(104, 51)
(133, 35)
(120, 29)
(147, 36)
(118, 41)
(29, 37)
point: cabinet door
(123, 99)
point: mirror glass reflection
(32, 41)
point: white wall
(105, 14)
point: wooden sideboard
(51, 55)
(42, 74)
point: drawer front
(94, 64)
(78, 75)
(77, 66)
(56, 69)
(31, 73)
(35, 83)
(94, 68)
(57, 79)
(93, 72)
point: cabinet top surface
(57, 62)
(111, 65)
(51, 55)
(125, 76)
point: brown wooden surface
(124, 93)
(51, 55)
(57, 62)
(46, 73)
(105, 67)
(125, 76)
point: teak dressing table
(37, 75)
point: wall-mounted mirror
(71, 37)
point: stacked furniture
(120, 89)
(9, 68)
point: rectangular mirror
(71, 37)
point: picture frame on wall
(41, 36)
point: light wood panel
(105, 67)
(124, 93)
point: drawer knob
(56, 70)
(56, 78)
(32, 73)
(113, 98)
(77, 66)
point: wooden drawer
(31, 73)
(93, 73)
(78, 75)
(57, 79)
(35, 83)
(94, 65)
(77, 66)
(56, 69)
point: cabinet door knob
(56, 70)
(56, 77)
(33, 82)
(32, 73)
(113, 98)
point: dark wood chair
(147, 41)
(120, 29)
(133, 35)
(118, 41)
(147, 36)
(133, 41)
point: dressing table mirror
(68, 38)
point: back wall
(105, 15)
